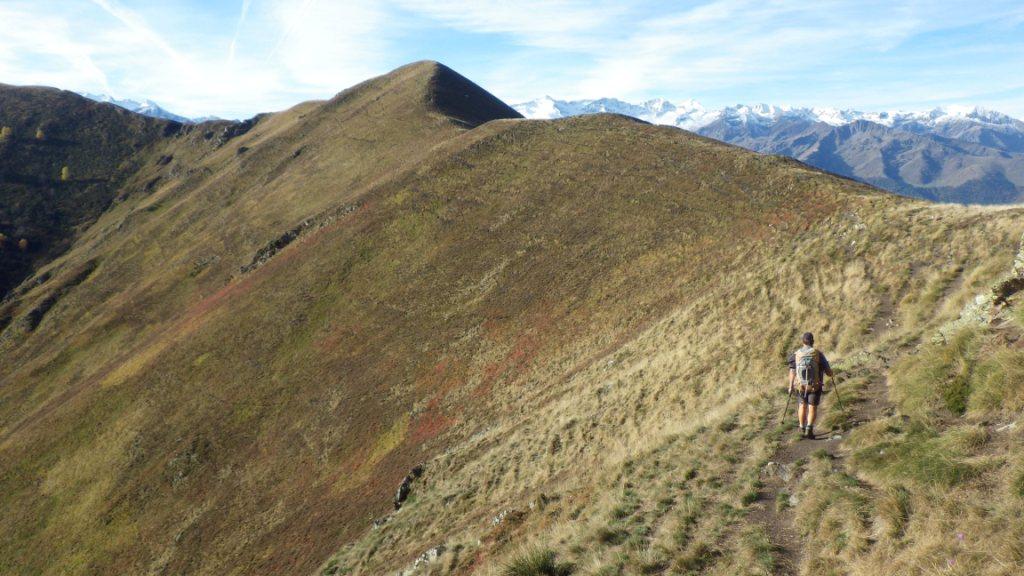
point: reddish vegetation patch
(522, 354)
(429, 425)
(491, 327)
(332, 342)
(215, 300)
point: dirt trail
(783, 476)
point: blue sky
(234, 59)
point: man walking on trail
(807, 367)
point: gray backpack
(808, 367)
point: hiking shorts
(811, 397)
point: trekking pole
(838, 395)
(789, 396)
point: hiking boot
(810, 432)
(803, 431)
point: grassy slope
(524, 306)
(631, 442)
(102, 423)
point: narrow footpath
(782, 475)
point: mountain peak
(462, 99)
(147, 107)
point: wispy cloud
(246, 4)
(573, 25)
(137, 25)
(201, 58)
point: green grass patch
(537, 562)
(921, 456)
(998, 383)
(938, 376)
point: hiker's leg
(801, 412)
(812, 414)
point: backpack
(808, 366)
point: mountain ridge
(953, 154)
(571, 330)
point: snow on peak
(691, 115)
(146, 107)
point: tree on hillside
(65, 174)
(3, 240)
(5, 133)
(23, 245)
(39, 134)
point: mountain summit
(951, 154)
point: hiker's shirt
(823, 366)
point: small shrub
(40, 135)
(5, 133)
(537, 562)
(65, 174)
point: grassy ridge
(573, 323)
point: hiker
(807, 367)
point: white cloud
(270, 54)
(328, 45)
(280, 52)
(37, 48)
(575, 25)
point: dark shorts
(809, 397)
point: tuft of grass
(893, 511)
(921, 456)
(537, 562)
(652, 561)
(939, 376)
(781, 500)
(749, 497)
(759, 550)
(695, 558)
(1017, 485)
(998, 385)
(611, 535)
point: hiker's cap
(808, 338)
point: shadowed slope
(63, 159)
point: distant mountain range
(147, 108)
(952, 154)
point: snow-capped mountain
(689, 114)
(146, 108)
(952, 153)
(692, 115)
